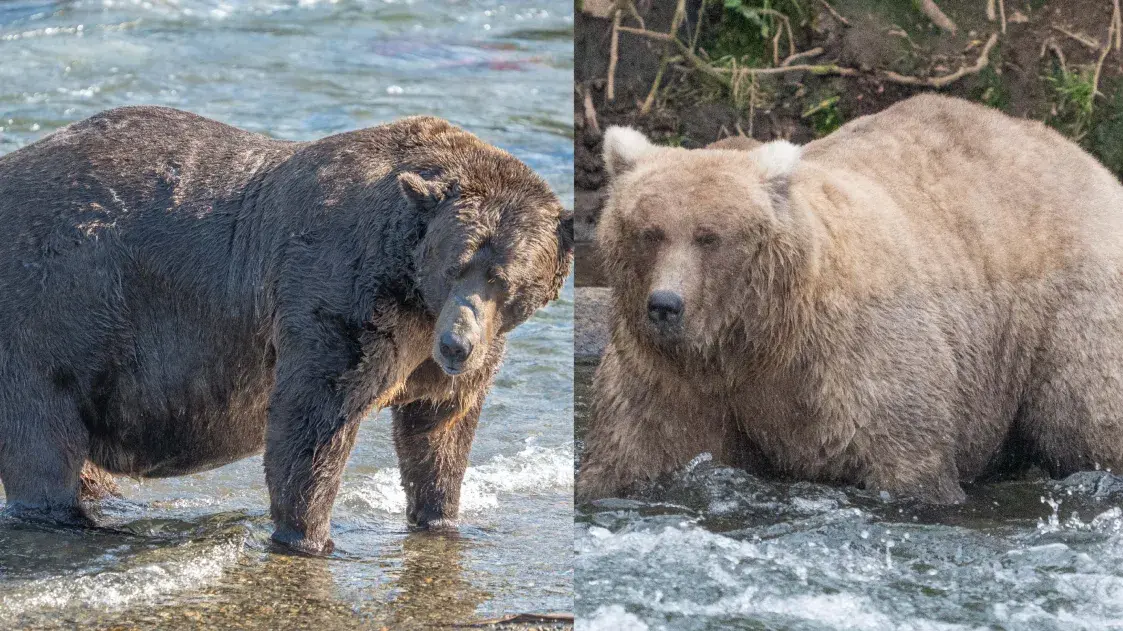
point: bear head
(702, 247)
(497, 246)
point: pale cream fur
(930, 295)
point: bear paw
(298, 542)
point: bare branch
(613, 56)
(807, 54)
(1111, 34)
(940, 82)
(930, 9)
(1080, 37)
(834, 13)
(590, 112)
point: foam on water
(534, 469)
(127, 582)
(610, 618)
(737, 548)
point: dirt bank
(1044, 66)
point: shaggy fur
(928, 296)
(743, 143)
(180, 294)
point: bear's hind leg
(43, 445)
(433, 440)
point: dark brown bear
(179, 294)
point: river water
(184, 552)
(711, 548)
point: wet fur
(936, 295)
(180, 294)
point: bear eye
(653, 235)
(706, 239)
(495, 277)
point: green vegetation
(824, 116)
(1073, 101)
(1106, 139)
(751, 31)
(991, 90)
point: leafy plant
(825, 116)
(763, 13)
(1073, 92)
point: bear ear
(623, 146)
(426, 195)
(777, 160)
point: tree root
(1079, 37)
(835, 14)
(946, 80)
(1112, 41)
(731, 77)
(930, 9)
(613, 56)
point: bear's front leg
(433, 440)
(310, 434)
(649, 418)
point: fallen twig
(930, 9)
(613, 56)
(835, 14)
(1050, 45)
(687, 54)
(940, 82)
(990, 11)
(1111, 33)
(1117, 20)
(776, 39)
(841, 71)
(1080, 37)
(1002, 14)
(676, 22)
(590, 111)
(698, 25)
(807, 54)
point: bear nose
(664, 307)
(455, 348)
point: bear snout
(455, 349)
(664, 308)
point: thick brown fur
(179, 294)
(929, 294)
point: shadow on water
(712, 547)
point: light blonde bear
(928, 296)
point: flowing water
(710, 547)
(184, 552)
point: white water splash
(610, 618)
(533, 469)
(121, 587)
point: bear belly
(164, 428)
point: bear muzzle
(665, 308)
(454, 350)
